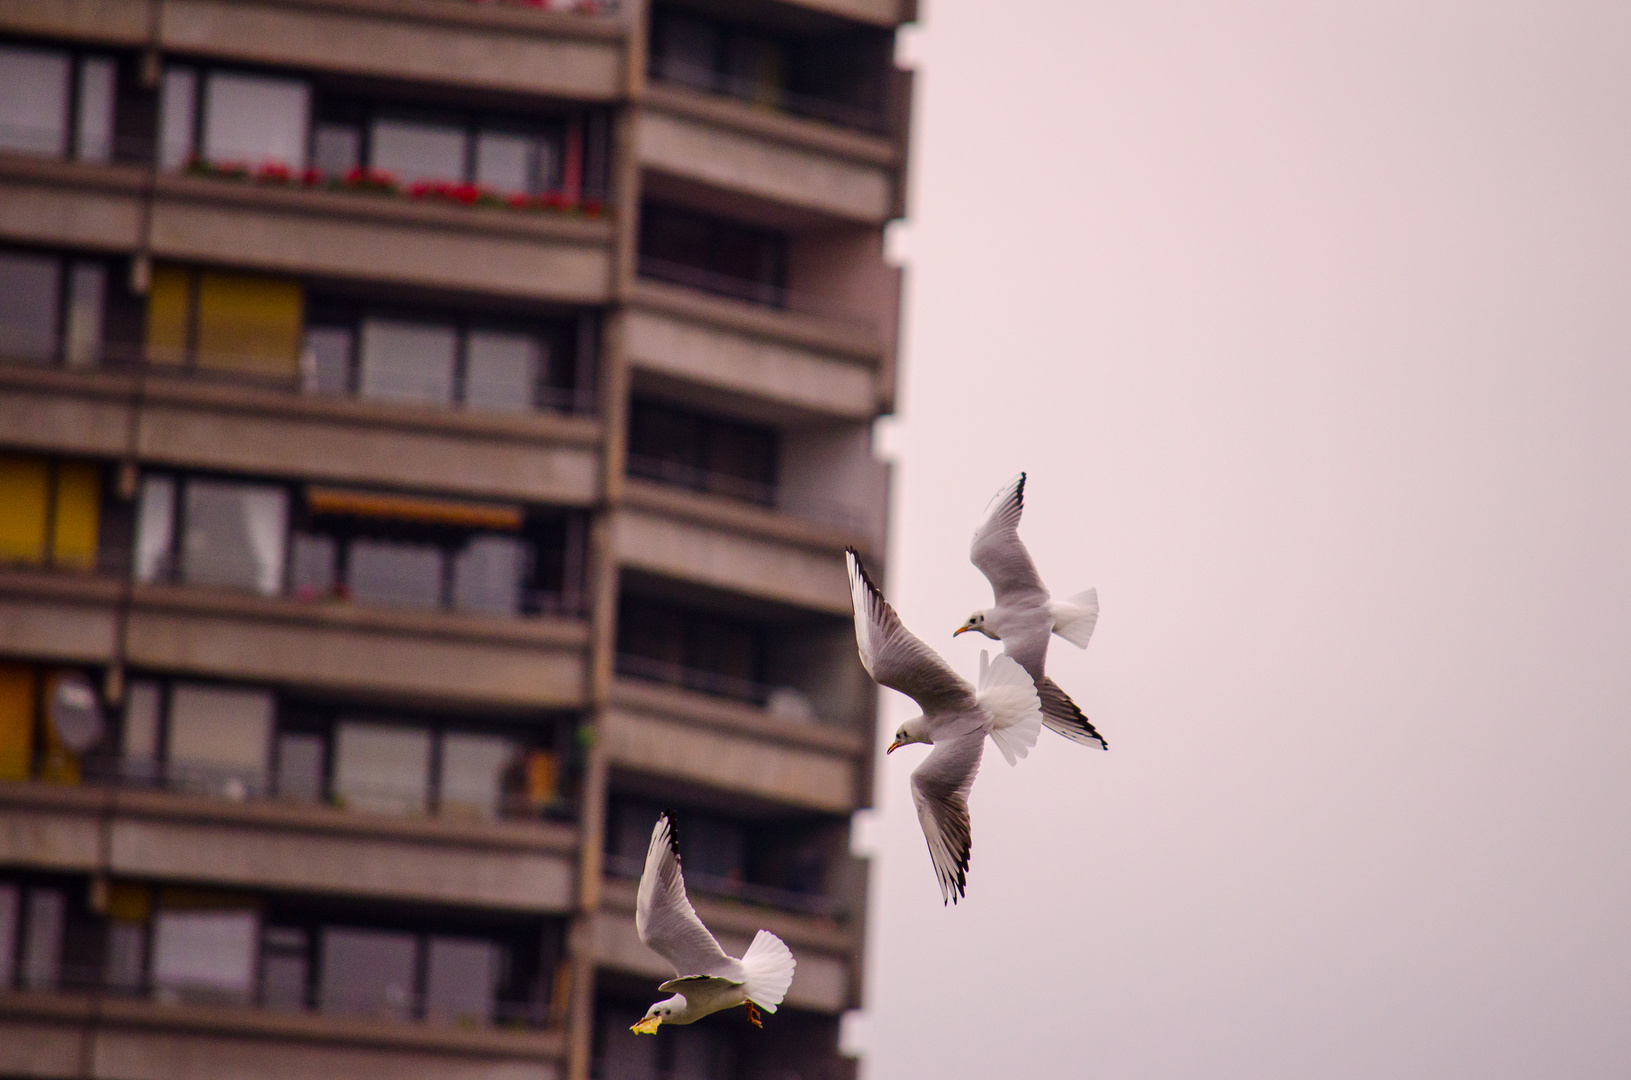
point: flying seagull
(706, 979)
(1024, 615)
(956, 719)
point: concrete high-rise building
(429, 434)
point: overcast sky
(1311, 324)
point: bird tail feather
(1008, 696)
(1075, 618)
(767, 970)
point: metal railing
(676, 72)
(713, 683)
(821, 511)
(399, 1006)
(630, 867)
(758, 293)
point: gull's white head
(914, 730)
(976, 622)
(661, 1013)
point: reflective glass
(410, 150)
(254, 120)
(403, 361)
(34, 107)
(367, 973)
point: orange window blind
(77, 510)
(249, 324)
(169, 315)
(16, 721)
(24, 486)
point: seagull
(956, 719)
(1024, 615)
(706, 980)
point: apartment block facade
(429, 434)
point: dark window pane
(28, 307)
(326, 360)
(34, 107)
(412, 151)
(300, 767)
(501, 371)
(460, 976)
(311, 566)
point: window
(234, 535)
(51, 309)
(34, 109)
(236, 323)
(43, 922)
(713, 254)
(699, 650)
(367, 973)
(178, 113)
(50, 512)
(703, 452)
(403, 361)
(461, 976)
(219, 739)
(473, 773)
(93, 128)
(382, 769)
(139, 742)
(204, 955)
(498, 366)
(413, 151)
(300, 767)
(255, 120)
(285, 969)
(435, 554)
(11, 903)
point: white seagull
(1024, 614)
(707, 979)
(956, 719)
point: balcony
(47, 1034)
(295, 230)
(263, 843)
(514, 48)
(208, 423)
(702, 739)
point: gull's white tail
(1008, 696)
(1074, 619)
(767, 970)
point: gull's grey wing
(940, 789)
(683, 981)
(1062, 715)
(895, 657)
(665, 919)
(1000, 554)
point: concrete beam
(726, 559)
(738, 161)
(450, 658)
(666, 746)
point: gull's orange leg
(753, 1015)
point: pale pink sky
(1311, 323)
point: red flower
(592, 207)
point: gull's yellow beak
(961, 630)
(648, 1026)
(896, 745)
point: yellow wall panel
(79, 502)
(169, 313)
(249, 324)
(16, 721)
(23, 485)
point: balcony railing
(630, 867)
(676, 72)
(760, 293)
(399, 1006)
(262, 786)
(713, 683)
(231, 370)
(734, 487)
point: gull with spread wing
(956, 719)
(707, 980)
(1025, 615)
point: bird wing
(897, 658)
(1000, 554)
(673, 985)
(665, 919)
(940, 789)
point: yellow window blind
(16, 721)
(78, 504)
(169, 314)
(249, 324)
(23, 485)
